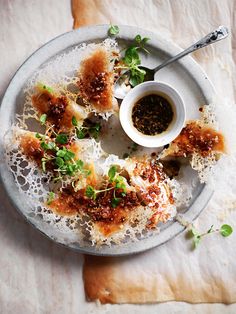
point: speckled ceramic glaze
(186, 76)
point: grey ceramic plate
(186, 76)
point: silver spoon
(121, 89)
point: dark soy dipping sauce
(152, 114)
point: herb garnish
(142, 42)
(43, 119)
(95, 130)
(225, 230)
(117, 182)
(51, 196)
(115, 201)
(74, 121)
(45, 87)
(62, 159)
(132, 60)
(113, 30)
(112, 173)
(82, 131)
(91, 192)
(114, 177)
(62, 139)
(78, 128)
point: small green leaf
(51, 196)
(112, 173)
(94, 130)
(69, 155)
(45, 87)
(62, 138)
(70, 169)
(226, 230)
(136, 79)
(52, 146)
(80, 133)
(193, 232)
(48, 146)
(61, 153)
(137, 76)
(59, 162)
(196, 240)
(121, 185)
(138, 39)
(43, 119)
(113, 30)
(79, 164)
(115, 202)
(44, 146)
(90, 192)
(131, 57)
(39, 136)
(74, 121)
(144, 40)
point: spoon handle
(220, 33)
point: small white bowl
(145, 89)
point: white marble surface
(36, 275)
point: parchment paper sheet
(173, 271)
(36, 275)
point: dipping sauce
(152, 114)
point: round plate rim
(72, 38)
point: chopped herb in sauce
(152, 114)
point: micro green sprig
(141, 42)
(113, 30)
(91, 192)
(61, 158)
(117, 182)
(51, 196)
(225, 230)
(43, 119)
(132, 60)
(81, 131)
